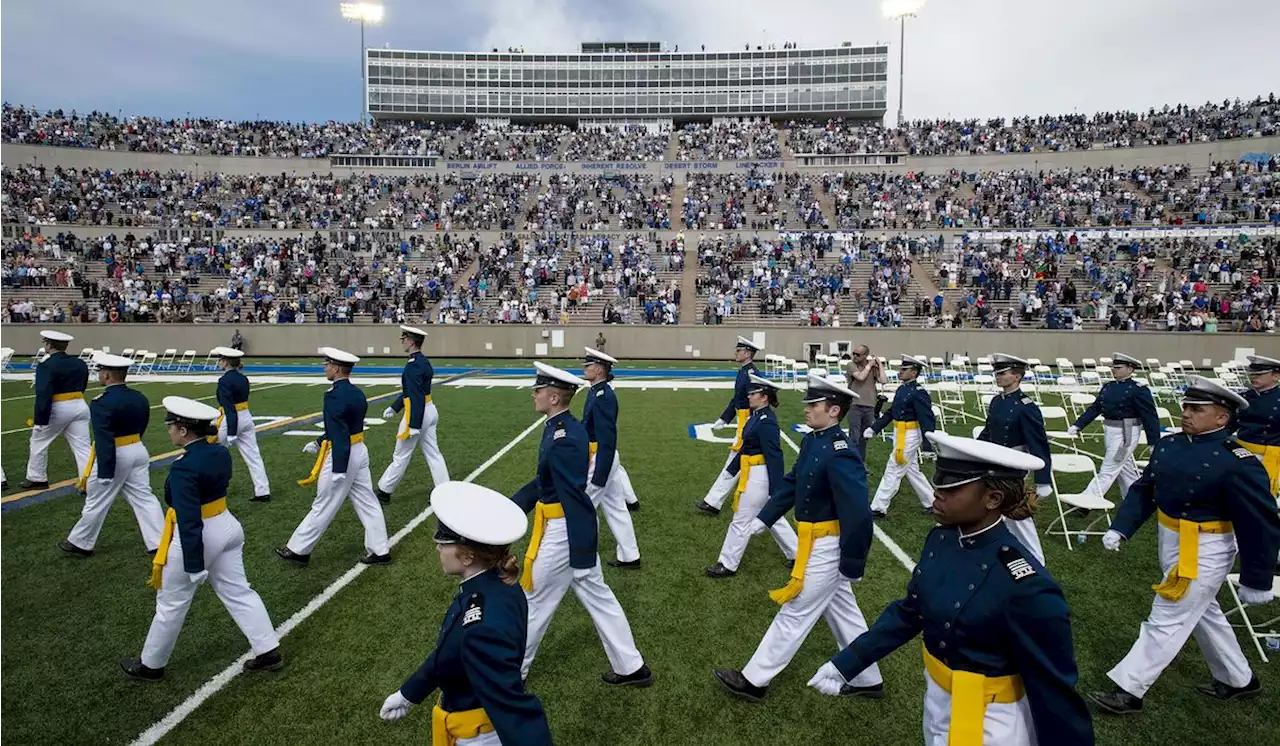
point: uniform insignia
(475, 610)
(99, 396)
(558, 435)
(1138, 382)
(839, 445)
(600, 392)
(176, 460)
(1026, 400)
(1016, 564)
(1242, 453)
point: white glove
(757, 527)
(1073, 431)
(311, 447)
(388, 413)
(928, 455)
(413, 432)
(339, 477)
(719, 423)
(231, 440)
(828, 680)
(395, 707)
(38, 428)
(1044, 490)
(198, 577)
(1254, 597)
(868, 433)
(1111, 540)
(582, 573)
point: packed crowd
(588, 202)
(754, 200)
(737, 141)
(617, 144)
(838, 136)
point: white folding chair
(820, 372)
(799, 371)
(940, 415)
(1164, 415)
(86, 354)
(1090, 379)
(187, 360)
(1153, 363)
(126, 352)
(210, 361)
(1072, 502)
(1079, 402)
(139, 355)
(165, 360)
(1089, 364)
(1065, 367)
(147, 365)
(6, 354)
(1233, 581)
(951, 395)
(1033, 361)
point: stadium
(669, 208)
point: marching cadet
(60, 409)
(608, 485)
(238, 430)
(1213, 502)
(1014, 421)
(202, 541)
(744, 354)
(476, 661)
(562, 550)
(119, 417)
(1000, 670)
(912, 417)
(341, 469)
(1257, 426)
(1127, 408)
(827, 486)
(417, 428)
(761, 447)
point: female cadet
(476, 663)
(999, 666)
(760, 448)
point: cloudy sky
(298, 60)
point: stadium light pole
(370, 13)
(900, 11)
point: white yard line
(884, 538)
(211, 687)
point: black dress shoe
(875, 691)
(630, 564)
(287, 553)
(718, 570)
(260, 499)
(268, 661)
(642, 676)
(634, 507)
(791, 564)
(134, 669)
(5, 485)
(702, 505)
(383, 497)
(1223, 692)
(376, 559)
(1118, 702)
(74, 550)
(27, 484)
(735, 682)
(878, 514)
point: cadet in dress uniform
(1015, 421)
(737, 410)
(760, 468)
(562, 550)
(912, 417)
(60, 409)
(238, 429)
(999, 666)
(1213, 502)
(118, 461)
(341, 469)
(202, 541)
(417, 430)
(476, 661)
(828, 488)
(1127, 408)
(608, 484)
(1257, 427)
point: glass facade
(844, 81)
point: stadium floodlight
(370, 13)
(900, 11)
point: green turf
(68, 621)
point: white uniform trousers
(1004, 724)
(424, 441)
(247, 445)
(68, 418)
(552, 576)
(612, 501)
(825, 594)
(224, 560)
(484, 739)
(331, 493)
(1171, 622)
(752, 501)
(1118, 463)
(724, 485)
(893, 473)
(133, 480)
(1025, 530)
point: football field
(352, 633)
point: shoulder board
(600, 393)
(99, 396)
(1137, 382)
(1239, 450)
(475, 610)
(1016, 564)
(176, 460)
(559, 434)
(839, 445)
(1027, 400)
